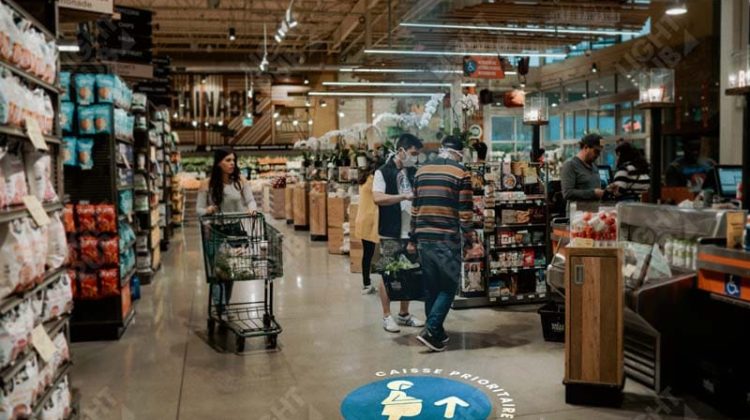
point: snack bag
(38, 237)
(15, 256)
(110, 281)
(65, 85)
(89, 286)
(59, 299)
(102, 119)
(57, 244)
(110, 250)
(67, 113)
(70, 151)
(105, 86)
(86, 116)
(85, 149)
(106, 218)
(90, 254)
(84, 85)
(73, 276)
(86, 216)
(139, 102)
(39, 171)
(12, 170)
(68, 218)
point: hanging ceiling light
(463, 53)
(278, 123)
(232, 34)
(549, 30)
(221, 123)
(277, 38)
(310, 122)
(195, 123)
(594, 68)
(678, 7)
(290, 16)
(307, 81)
(341, 114)
(264, 63)
(323, 104)
(275, 115)
(396, 84)
(295, 123)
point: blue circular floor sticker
(415, 397)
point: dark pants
(369, 252)
(441, 270)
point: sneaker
(430, 341)
(368, 290)
(390, 325)
(446, 339)
(410, 321)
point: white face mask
(408, 160)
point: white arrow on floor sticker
(450, 404)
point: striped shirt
(443, 204)
(630, 181)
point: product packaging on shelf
(105, 88)
(65, 85)
(86, 116)
(70, 151)
(85, 149)
(17, 265)
(102, 118)
(39, 173)
(24, 46)
(57, 244)
(12, 172)
(598, 229)
(84, 88)
(67, 113)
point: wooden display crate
(301, 210)
(594, 364)
(266, 199)
(278, 198)
(318, 223)
(156, 259)
(337, 211)
(335, 240)
(352, 222)
(355, 260)
(289, 203)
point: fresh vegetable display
(600, 226)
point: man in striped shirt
(442, 213)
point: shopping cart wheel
(266, 321)
(240, 344)
(211, 326)
(271, 341)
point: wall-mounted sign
(128, 38)
(247, 122)
(95, 6)
(136, 71)
(483, 67)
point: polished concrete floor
(164, 367)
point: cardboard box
(335, 240)
(301, 211)
(355, 261)
(278, 198)
(735, 229)
(355, 244)
(318, 211)
(337, 211)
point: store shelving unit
(106, 318)
(12, 136)
(148, 216)
(163, 156)
(518, 282)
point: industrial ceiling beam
(350, 23)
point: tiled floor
(333, 342)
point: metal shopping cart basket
(241, 247)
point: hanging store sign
(127, 38)
(95, 6)
(483, 67)
(136, 71)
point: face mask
(408, 161)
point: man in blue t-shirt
(690, 170)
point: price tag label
(35, 134)
(582, 243)
(493, 299)
(504, 298)
(37, 211)
(43, 344)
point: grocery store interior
(366, 209)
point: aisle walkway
(332, 343)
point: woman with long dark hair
(632, 177)
(366, 224)
(225, 192)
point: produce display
(601, 227)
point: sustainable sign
(427, 394)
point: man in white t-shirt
(392, 192)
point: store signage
(127, 38)
(483, 67)
(95, 6)
(732, 285)
(427, 394)
(247, 122)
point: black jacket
(389, 217)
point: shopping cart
(241, 247)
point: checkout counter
(665, 317)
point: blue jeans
(441, 270)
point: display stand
(356, 252)
(516, 248)
(278, 203)
(147, 215)
(318, 198)
(337, 217)
(594, 326)
(163, 156)
(301, 207)
(289, 203)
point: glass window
(523, 132)
(505, 147)
(602, 86)
(639, 116)
(627, 82)
(580, 124)
(569, 126)
(607, 120)
(552, 130)
(575, 92)
(593, 126)
(626, 125)
(502, 128)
